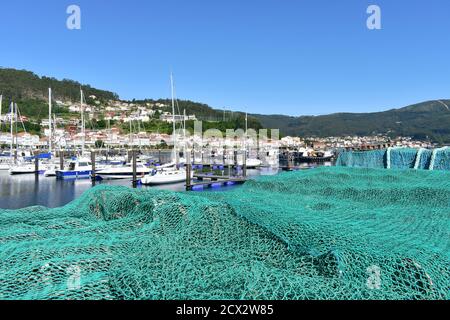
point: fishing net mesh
(325, 233)
(397, 158)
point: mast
(109, 138)
(173, 118)
(139, 131)
(50, 135)
(1, 102)
(16, 121)
(131, 132)
(246, 134)
(82, 123)
(11, 114)
(184, 133)
(54, 130)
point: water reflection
(30, 190)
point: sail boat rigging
(170, 173)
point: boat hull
(116, 176)
(67, 174)
(315, 159)
(164, 179)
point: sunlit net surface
(325, 233)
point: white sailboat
(79, 167)
(23, 166)
(166, 176)
(172, 173)
(52, 166)
(4, 162)
(123, 172)
(250, 162)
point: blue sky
(295, 57)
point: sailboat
(4, 162)
(25, 166)
(123, 171)
(78, 167)
(53, 165)
(171, 173)
(250, 162)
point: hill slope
(22, 84)
(428, 119)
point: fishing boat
(123, 172)
(316, 156)
(77, 168)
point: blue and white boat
(77, 169)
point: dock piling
(133, 155)
(36, 163)
(188, 171)
(93, 177)
(244, 167)
(61, 160)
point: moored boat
(165, 176)
(123, 172)
(77, 169)
(316, 156)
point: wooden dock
(209, 180)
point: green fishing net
(325, 233)
(397, 158)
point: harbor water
(21, 191)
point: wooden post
(188, 171)
(36, 163)
(61, 160)
(93, 167)
(133, 153)
(244, 163)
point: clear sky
(295, 57)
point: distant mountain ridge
(426, 120)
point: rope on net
(418, 157)
(434, 155)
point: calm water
(29, 190)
